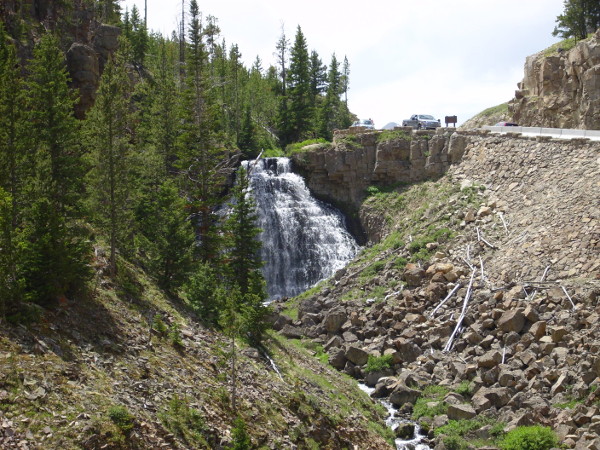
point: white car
(365, 123)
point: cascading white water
(303, 240)
(418, 440)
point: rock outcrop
(561, 89)
(87, 43)
(342, 172)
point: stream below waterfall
(303, 240)
(417, 443)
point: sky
(438, 57)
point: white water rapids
(392, 421)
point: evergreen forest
(141, 175)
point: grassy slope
(91, 373)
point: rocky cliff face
(87, 43)
(562, 89)
(342, 172)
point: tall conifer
(202, 161)
(12, 174)
(243, 259)
(299, 88)
(108, 129)
(55, 253)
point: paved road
(559, 133)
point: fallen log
(462, 314)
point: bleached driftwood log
(533, 294)
(569, 297)
(456, 288)
(462, 314)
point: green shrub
(395, 241)
(454, 443)
(378, 363)
(121, 417)
(464, 389)
(373, 269)
(175, 335)
(422, 409)
(273, 153)
(373, 190)
(159, 325)
(392, 135)
(431, 394)
(184, 422)
(534, 437)
(458, 427)
(400, 263)
(299, 146)
(239, 435)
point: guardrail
(559, 133)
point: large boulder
(485, 398)
(413, 275)
(357, 355)
(512, 320)
(337, 358)
(402, 394)
(490, 359)
(334, 320)
(82, 63)
(461, 412)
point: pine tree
(243, 246)
(166, 109)
(138, 36)
(108, 131)
(56, 253)
(109, 11)
(165, 234)
(318, 78)
(579, 18)
(247, 136)
(243, 259)
(235, 97)
(12, 171)
(345, 80)
(284, 124)
(330, 114)
(201, 160)
(299, 89)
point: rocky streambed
(409, 434)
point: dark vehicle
(506, 124)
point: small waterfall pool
(303, 240)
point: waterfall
(303, 239)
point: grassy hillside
(124, 366)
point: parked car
(365, 123)
(422, 121)
(506, 124)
